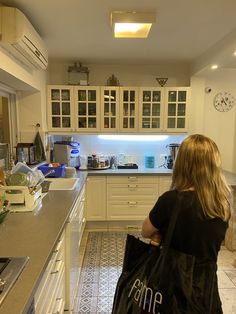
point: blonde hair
(198, 166)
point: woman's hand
(156, 238)
(149, 231)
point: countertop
(35, 234)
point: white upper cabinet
(87, 108)
(163, 109)
(151, 109)
(60, 108)
(128, 109)
(176, 109)
(110, 108)
(93, 109)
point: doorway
(8, 118)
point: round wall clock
(223, 101)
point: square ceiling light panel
(132, 24)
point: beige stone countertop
(34, 234)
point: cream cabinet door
(110, 105)
(151, 109)
(96, 198)
(60, 108)
(87, 108)
(128, 109)
(176, 109)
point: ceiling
(185, 30)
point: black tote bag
(164, 281)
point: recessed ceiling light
(132, 24)
(214, 67)
(234, 53)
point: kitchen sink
(62, 183)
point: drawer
(132, 179)
(128, 210)
(136, 190)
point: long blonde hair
(198, 166)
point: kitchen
(30, 85)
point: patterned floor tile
(102, 266)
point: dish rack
(21, 195)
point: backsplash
(135, 149)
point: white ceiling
(184, 32)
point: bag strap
(173, 220)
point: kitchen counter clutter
(36, 234)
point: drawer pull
(132, 178)
(132, 203)
(132, 186)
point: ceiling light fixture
(132, 24)
(214, 67)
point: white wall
(220, 126)
(30, 87)
(128, 75)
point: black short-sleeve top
(194, 233)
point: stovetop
(10, 270)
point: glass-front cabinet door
(128, 109)
(60, 108)
(87, 108)
(151, 109)
(110, 109)
(176, 110)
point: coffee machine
(67, 152)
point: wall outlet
(163, 158)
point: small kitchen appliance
(172, 153)
(68, 153)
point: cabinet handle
(57, 267)
(132, 178)
(132, 186)
(58, 306)
(132, 203)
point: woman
(204, 213)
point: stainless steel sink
(10, 270)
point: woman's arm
(149, 231)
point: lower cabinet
(123, 197)
(96, 206)
(58, 287)
(73, 233)
(130, 197)
(50, 295)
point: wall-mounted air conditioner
(19, 38)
